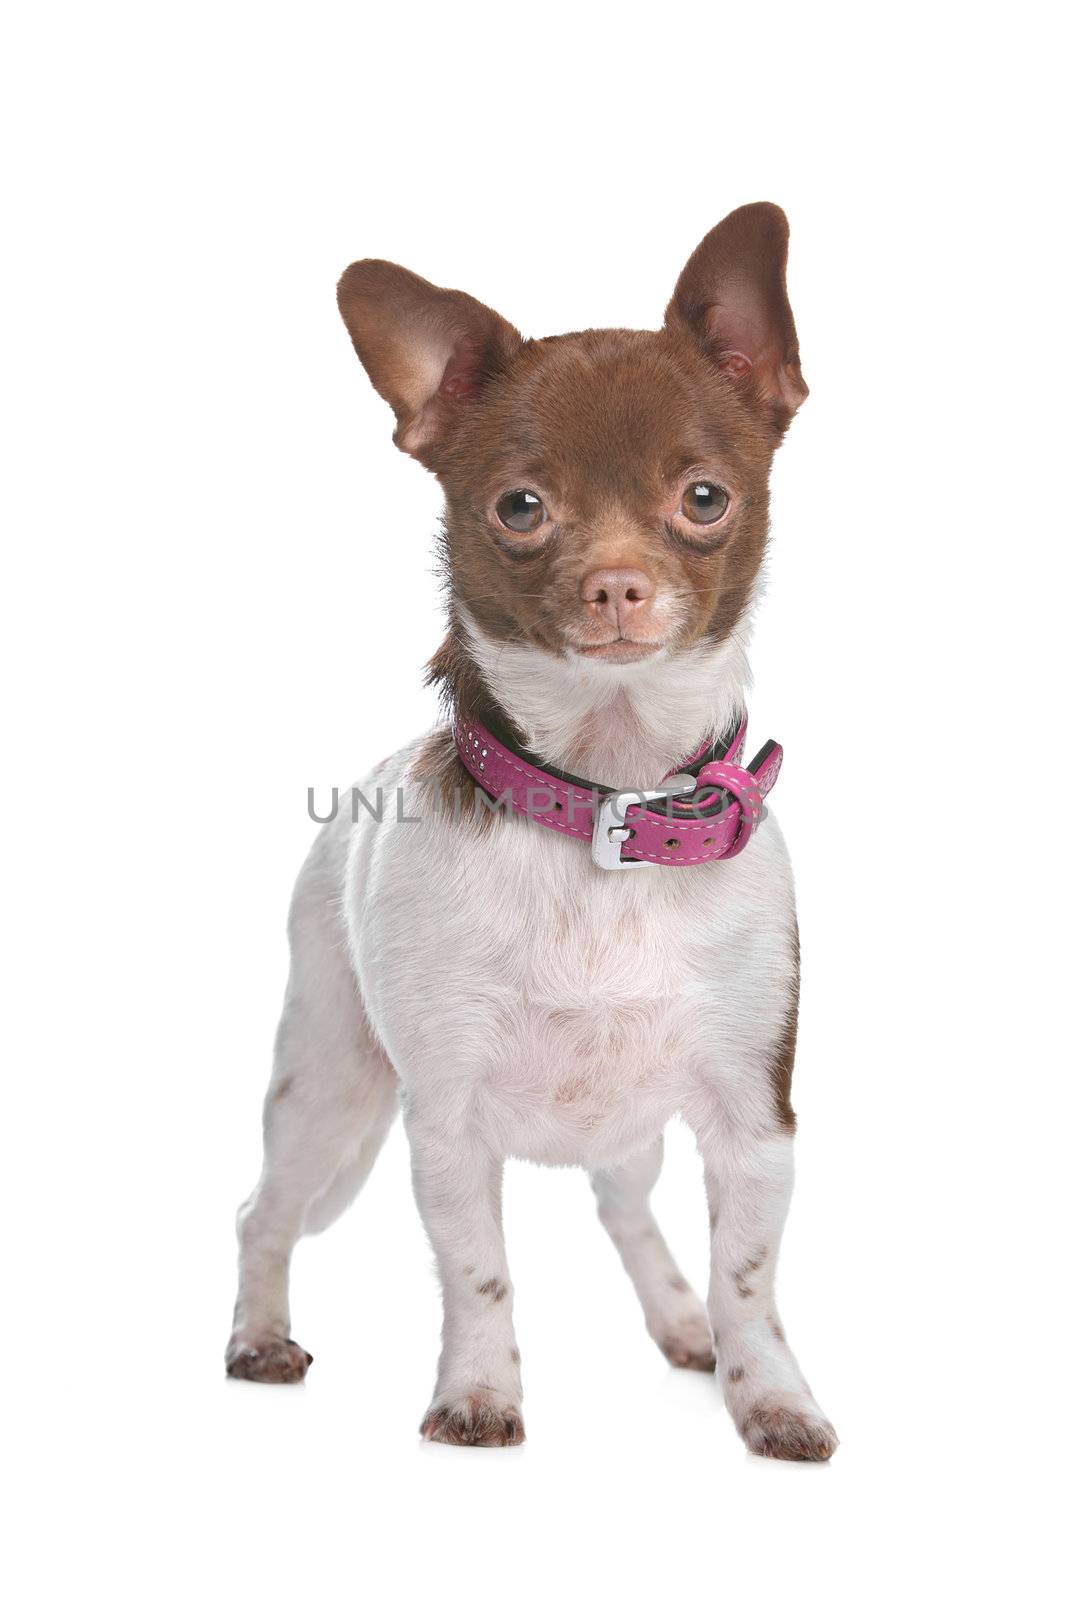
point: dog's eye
(705, 502)
(520, 510)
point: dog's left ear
(731, 294)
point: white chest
(576, 1008)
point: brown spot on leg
(787, 1435)
(741, 1276)
(474, 1421)
(776, 1328)
(781, 1065)
(735, 1374)
(493, 1288)
(267, 1361)
(514, 1355)
(691, 1347)
(284, 1087)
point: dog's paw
(473, 1420)
(688, 1343)
(787, 1430)
(267, 1360)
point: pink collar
(705, 809)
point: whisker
(491, 597)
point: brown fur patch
(696, 1356)
(782, 1061)
(774, 1430)
(474, 1422)
(494, 1289)
(741, 1276)
(269, 1361)
(447, 782)
(451, 670)
(284, 1087)
(735, 1374)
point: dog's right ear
(428, 351)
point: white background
(217, 590)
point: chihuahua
(570, 917)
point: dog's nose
(613, 594)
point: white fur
(623, 725)
(533, 1005)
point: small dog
(504, 966)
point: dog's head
(606, 491)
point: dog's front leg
(749, 1181)
(457, 1185)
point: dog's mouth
(620, 650)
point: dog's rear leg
(331, 1100)
(675, 1315)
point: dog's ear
(428, 351)
(731, 294)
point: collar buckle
(610, 831)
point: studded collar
(705, 809)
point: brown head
(606, 492)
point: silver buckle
(610, 832)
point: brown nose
(613, 594)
